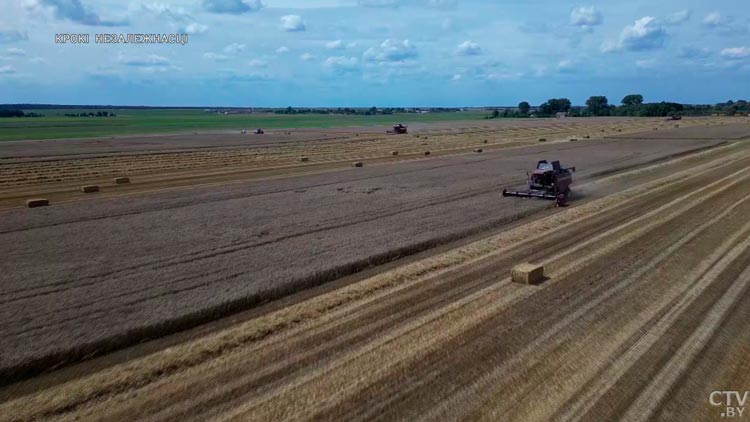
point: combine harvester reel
(548, 181)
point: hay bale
(573, 140)
(358, 164)
(121, 180)
(394, 152)
(676, 125)
(427, 153)
(542, 139)
(37, 202)
(527, 273)
(89, 188)
(478, 150)
(587, 136)
(304, 159)
(485, 141)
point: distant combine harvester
(398, 129)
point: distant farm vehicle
(675, 117)
(398, 129)
(548, 181)
(259, 131)
(244, 131)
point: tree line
(91, 114)
(372, 111)
(630, 105)
(18, 113)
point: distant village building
(561, 114)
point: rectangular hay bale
(394, 152)
(89, 188)
(121, 180)
(527, 273)
(37, 202)
(358, 164)
(304, 159)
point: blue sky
(375, 52)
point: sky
(361, 53)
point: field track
(643, 315)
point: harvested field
(645, 271)
(55, 169)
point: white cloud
(391, 51)
(306, 57)
(194, 28)
(293, 23)
(468, 48)
(16, 52)
(12, 36)
(71, 10)
(645, 63)
(677, 18)
(585, 17)
(215, 56)
(644, 34)
(232, 7)
(163, 11)
(282, 50)
(257, 63)
(716, 19)
(342, 64)
(736, 53)
(7, 70)
(565, 65)
(456, 77)
(151, 63)
(234, 48)
(143, 61)
(335, 45)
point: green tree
(524, 107)
(632, 100)
(597, 106)
(555, 105)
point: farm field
(55, 125)
(643, 313)
(57, 169)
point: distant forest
(630, 105)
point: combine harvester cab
(548, 181)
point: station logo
(733, 404)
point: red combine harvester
(547, 181)
(398, 129)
